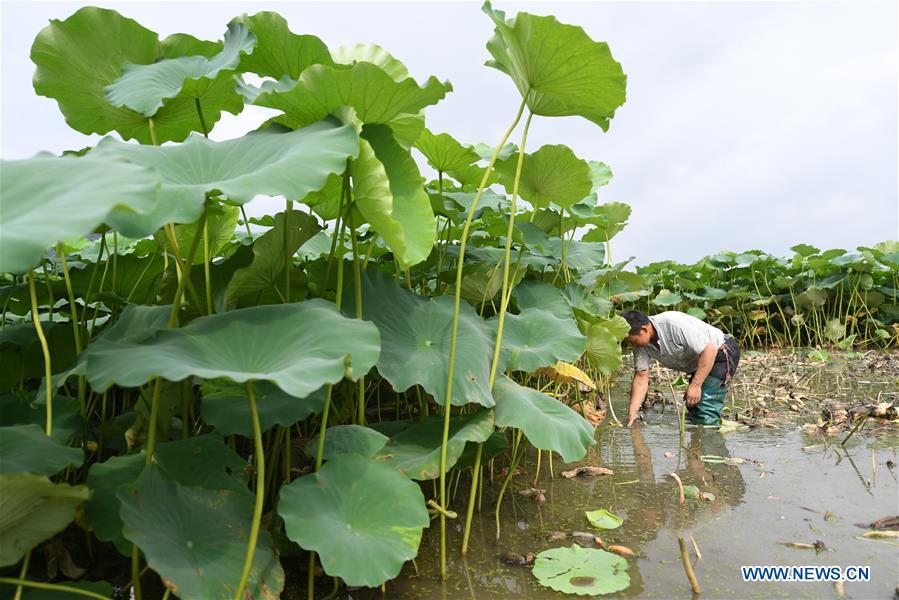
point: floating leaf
(32, 509)
(47, 199)
(536, 338)
(415, 451)
(547, 423)
(581, 571)
(196, 539)
(587, 470)
(362, 518)
(27, 449)
(415, 340)
(299, 347)
(557, 67)
(603, 519)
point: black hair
(636, 320)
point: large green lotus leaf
(299, 347)
(583, 302)
(581, 571)
(268, 162)
(536, 338)
(608, 219)
(601, 172)
(415, 340)
(32, 509)
(667, 298)
(388, 191)
(349, 439)
(21, 408)
(366, 88)
(374, 54)
(362, 518)
(557, 67)
(226, 408)
(604, 344)
(547, 423)
(47, 199)
(280, 52)
(805, 250)
(551, 174)
(144, 87)
(78, 57)
(196, 538)
(539, 295)
(202, 461)
(444, 153)
(269, 255)
(415, 451)
(27, 449)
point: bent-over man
(684, 343)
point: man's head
(641, 331)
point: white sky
(748, 124)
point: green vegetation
(202, 396)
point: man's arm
(706, 361)
(638, 393)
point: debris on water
(587, 471)
(693, 492)
(889, 522)
(587, 540)
(881, 535)
(621, 551)
(818, 546)
(669, 455)
(829, 516)
(537, 494)
(555, 536)
(516, 559)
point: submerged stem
(260, 493)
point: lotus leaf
(27, 449)
(78, 57)
(299, 347)
(267, 162)
(536, 294)
(581, 571)
(269, 255)
(551, 174)
(389, 193)
(362, 518)
(604, 344)
(603, 519)
(444, 153)
(196, 539)
(349, 439)
(280, 52)
(415, 451)
(32, 509)
(226, 408)
(563, 372)
(608, 219)
(536, 338)
(415, 341)
(667, 298)
(144, 87)
(557, 67)
(47, 199)
(546, 422)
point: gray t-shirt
(682, 339)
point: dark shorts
(726, 361)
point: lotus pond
(392, 364)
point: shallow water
(781, 494)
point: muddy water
(791, 488)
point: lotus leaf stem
(260, 491)
(45, 349)
(688, 568)
(206, 274)
(516, 457)
(443, 511)
(23, 573)
(53, 587)
(288, 257)
(475, 475)
(357, 274)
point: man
(684, 343)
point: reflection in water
(746, 507)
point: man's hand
(631, 419)
(693, 394)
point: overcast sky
(747, 125)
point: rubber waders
(708, 410)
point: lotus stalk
(260, 493)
